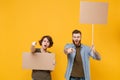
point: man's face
(76, 38)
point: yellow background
(24, 21)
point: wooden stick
(92, 34)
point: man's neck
(78, 45)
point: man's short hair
(76, 31)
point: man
(78, 58)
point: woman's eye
(44, 41)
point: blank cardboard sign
(93, 12)
(38, 61)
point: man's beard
(78, 44)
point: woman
(45, 42)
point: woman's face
(45, 43)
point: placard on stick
(93, 12)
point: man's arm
(95, 54)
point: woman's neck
(43, 50)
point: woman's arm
(33, 47)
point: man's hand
(69, 50)
(93, 48)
